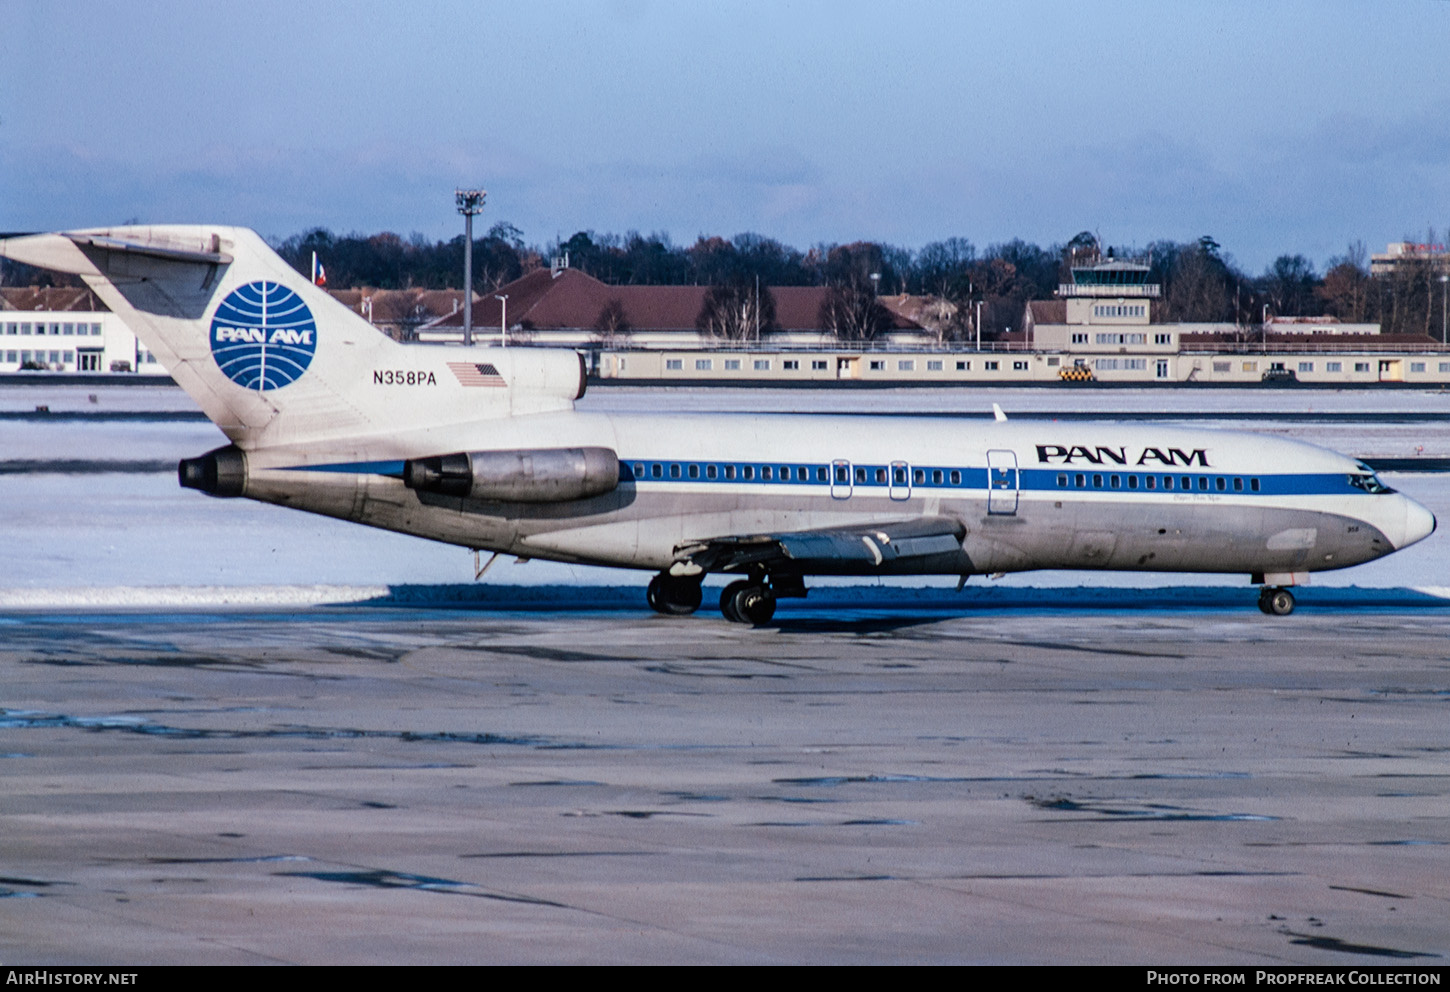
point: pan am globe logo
(263, 336)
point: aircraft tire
(674, 595)
(727, 601)
(1280, 602)
(753, 604)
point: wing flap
(889, 546)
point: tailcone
(221, 473)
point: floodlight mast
(470, 203)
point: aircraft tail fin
(273, 359)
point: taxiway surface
(407, 786)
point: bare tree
(942, 268)
(853, 313)
(850, 309)
(1289, 284)
(611, 325)
(1346, 287)
(1199, 283)
(736, 312)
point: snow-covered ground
(102, 537)
(927, 399)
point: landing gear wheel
(674, 595)
(727, 601)
(1276, 602)
(751, 603)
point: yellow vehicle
(1075, 373)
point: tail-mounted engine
(529, 475)
(222, 472)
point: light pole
(757, 307)
(470, 204)
(503, 321)
(1444, 281)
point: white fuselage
(1028, 494)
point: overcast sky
(1275, 127)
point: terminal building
(1104, 321)
(1103, 326)
(66, 330)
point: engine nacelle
(546, 371)
(222, 472)
(528, 475)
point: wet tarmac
(364, 785)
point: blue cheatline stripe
(963, 478)
(392, 469)
(953, 479)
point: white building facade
(70, 341)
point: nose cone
(1419, 524)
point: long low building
(64, 330)
(1277, 363)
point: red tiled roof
(58, 298)
(390, 306)
(573, 299)
(1047, 311)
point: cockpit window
(1369, 482)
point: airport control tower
(1105, 288)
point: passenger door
(1002, 482)
(899, 484)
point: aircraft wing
(877, 546)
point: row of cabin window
(866, 475)
(860, 474)
(749, 473)
(1220, 483)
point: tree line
(1200, 282)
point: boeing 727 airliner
(482, 447)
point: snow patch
(122, 597)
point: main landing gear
(674, 595)
(1276, 601)
(749, 601)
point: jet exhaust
(221, 473)
(533, 475)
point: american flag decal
(476, 374)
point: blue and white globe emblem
(263, 336)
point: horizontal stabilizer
(213, 257)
